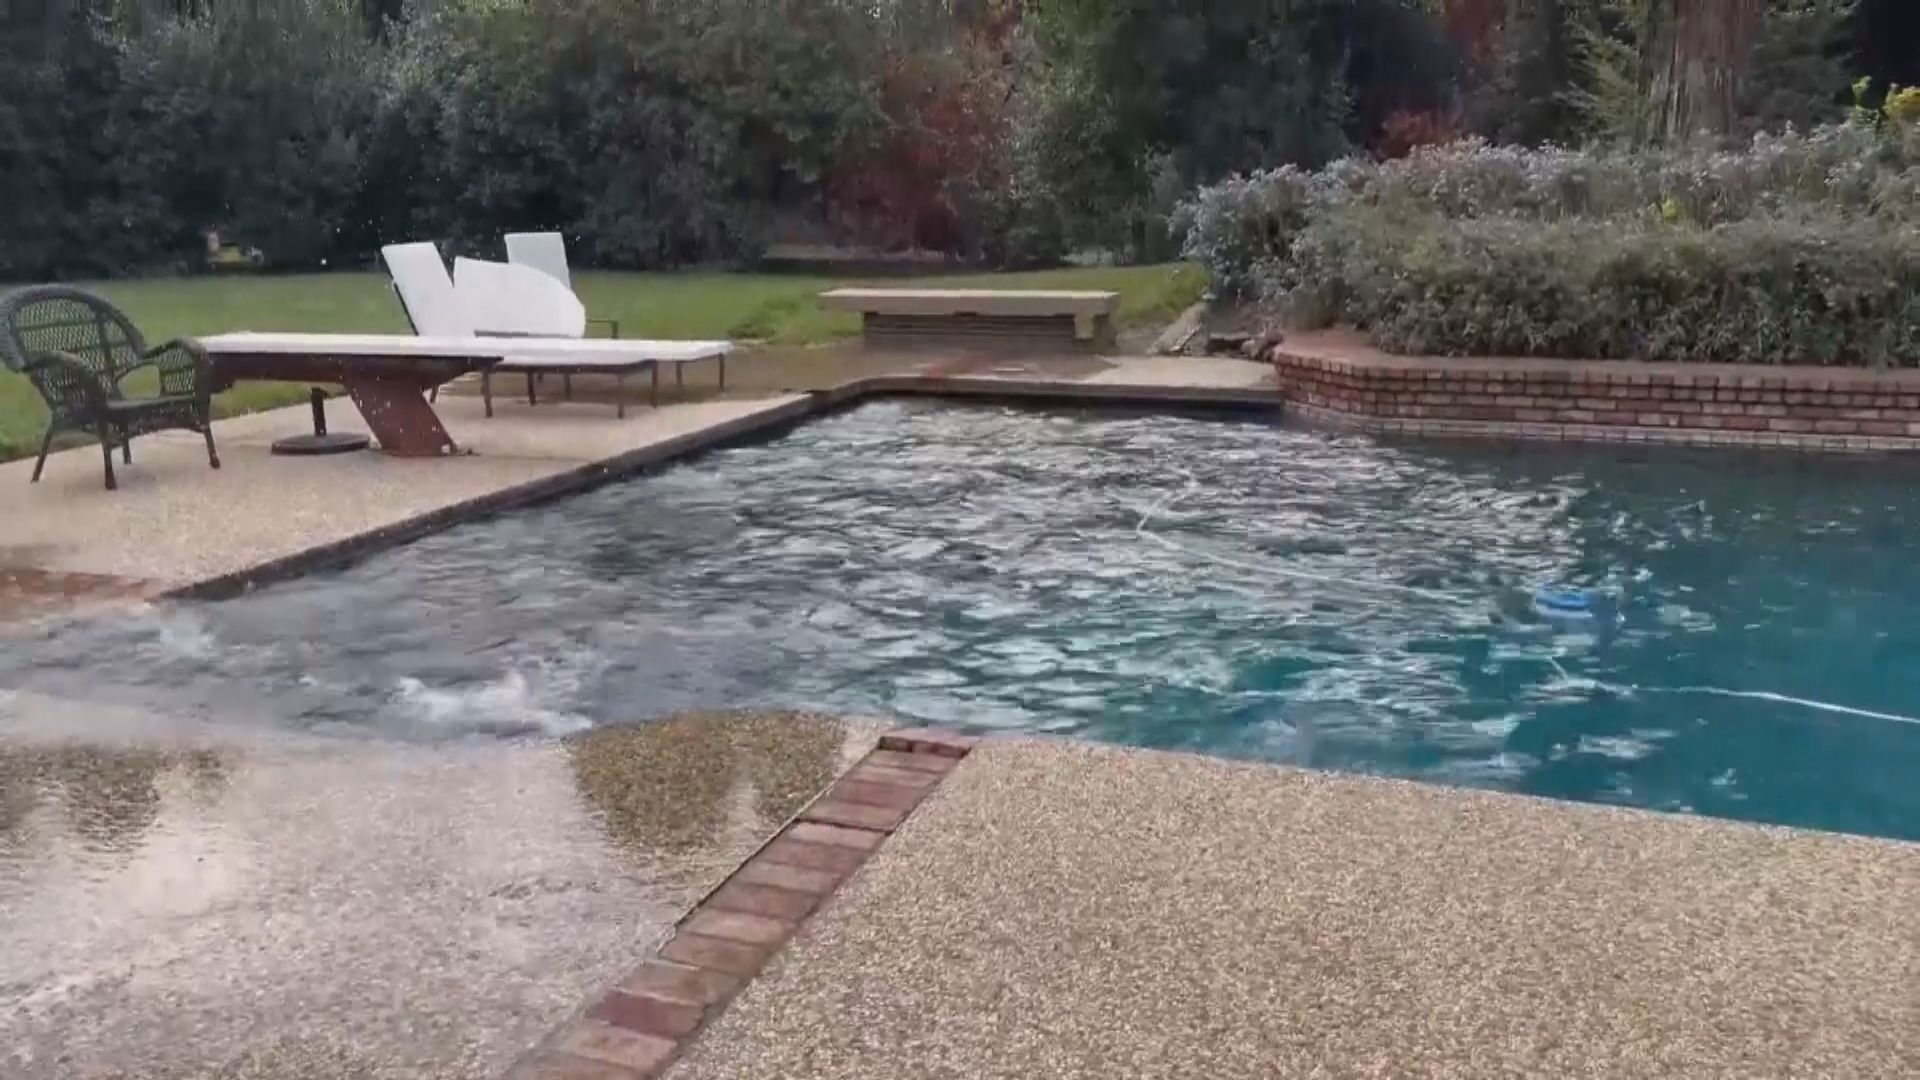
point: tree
(1146, 95)
(1701, 52)
(1534, 60)
(1801, 67)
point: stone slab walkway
(1063, 911)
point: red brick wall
(1746, 403)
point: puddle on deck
(224, 902)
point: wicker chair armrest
(183, 366)
(612, 325)
(70, 386)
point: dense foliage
(660, 132)
(670, 132)
(1796, 248)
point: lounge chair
(532, 305)
(511, 300)
(547, 253)
(78, 350)
(426, 292)
(427, 298)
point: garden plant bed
(1338, 377)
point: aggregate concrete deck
(1062, 911)
(218, 901)
(174, 521)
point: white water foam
(507, 705)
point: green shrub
(652, 135)
(258, 116)
(1797, 248)
(1242, 226)
(1817, 291)
(81, 172)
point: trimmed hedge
(1773, 292)
(1798, 249)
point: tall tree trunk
(1700, 54)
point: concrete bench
(993, 318)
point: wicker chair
(78, 350)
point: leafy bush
(656, 134)
(260, 117)
(920, 176)
(1835, 166)
(1241, 226)
(81, 177)
(652, 135)
(1801, 248)
(1762, 291)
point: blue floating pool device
(1563, 603)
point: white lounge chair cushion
(506, 298)
(544, 251)
(426, 290)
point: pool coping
(639, 1027)
(766, 423)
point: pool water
(1229, 586)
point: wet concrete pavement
(219, 900)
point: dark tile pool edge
(637, 1029)
(1514, 432)
(572, 481)
(1043, 391)
(759, 425)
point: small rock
(1263, 345)
(1227, 344)
(1177, 338)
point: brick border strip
(638, 1029)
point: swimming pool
(1229, 586)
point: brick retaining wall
(1609, 401)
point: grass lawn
(779, 309)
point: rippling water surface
(1226, 586)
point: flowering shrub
(1798, 248)
(1236, 227)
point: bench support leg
(399, 417)
(1104, 338)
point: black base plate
(336, 442)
